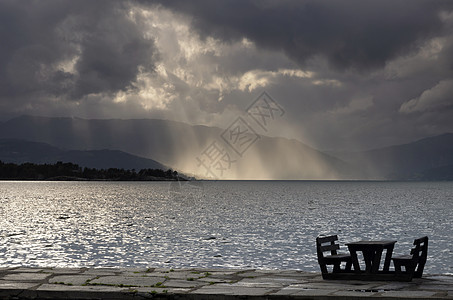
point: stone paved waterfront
(106, 283)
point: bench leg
(397, 267)
(348, 266)
(419, 270)
(408, 265)
(410, 268)
(323, 268)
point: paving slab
(55, 291)
(437, 287)
(250, 274)
(354, 294)
(26, 277)
(125, 270)
(166, 290)
(220, 289)
(212, 280)
(301, 287)
(91, 288)
(396, 286)
(25, 270)
(278, 281)
(177, 274)
(2, 269)
(303, 292)
(409, 294)
(297, 274)
(101, 272)
(218, 273)
(256, 283)
(223, 276)
(71, 279)
(64, 270)
(184, 283)
(212, 284)
(445, 278)
(127, 281)
(6, 285)
(338, 285)
(132, 274)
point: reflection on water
(216, 224)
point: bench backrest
(327, 243)
(421, 247)
(419, 254)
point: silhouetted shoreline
(72, 172)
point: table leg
(388, 257)
(355, 261)
(376, 260)
(368, 257)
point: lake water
(258, 224)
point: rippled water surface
(215, 224)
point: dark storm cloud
(352, 33)
(69, 48)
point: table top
(371, 243)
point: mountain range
(202, 151)
(20, 151)
(426, 159)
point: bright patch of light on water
(233, 224)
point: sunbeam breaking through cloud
(351, 75)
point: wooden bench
(413, 263)
(328, 244)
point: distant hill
(183, 147)
(427, 159)
(439, 173)
(20, 151)
(178, 145)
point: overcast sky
(349, 74)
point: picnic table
(372, 254)
(372, 251)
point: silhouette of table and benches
(347, 266)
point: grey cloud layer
(353, 33)
(383, 52)
(381, 72)
(69, 48)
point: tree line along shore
(69, 171)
